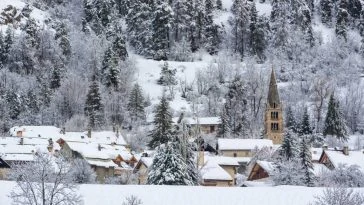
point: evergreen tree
(93, 105)
(354, 8)
(168, 168)
(139, 26)
(2, 50)
(161, 30)
(326, 11)
(224, 130)
(14, 104)
(110, 70)
(235, 110)
(56, 78)
(257, 35)
(334, 122)
(291, 123)
(342, 20)
(8, 42)
(162, 131)
(119, 48)
(218, 4)
(136, 104)
(305, 22)
(63, 38)
(211, 31)
(181, 19)
(289, 148)
(198, 25)
(305, 127)
(306, 162)
(32, 33)
(182, 144)
(239, 23)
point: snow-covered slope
(182, 195)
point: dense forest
(73, 64)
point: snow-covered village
(185, 102)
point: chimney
(99, 147)
(325, 147)
(201, 159)
(50, 145)
(113, 127)
(63, 130)
(145, 154)
(117, 132)
(346, 150)
(89, 133)
(21, 142)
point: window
(212, 129)
(274, 126)
(235, 154)
(274, 105)
(274, 115)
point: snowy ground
(179, 195)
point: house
(94, 155)
(44, 132)
(333, 158)
(229, 164)
(212, 174)
(241, 147)
(261, 170)
(102, 137)
(4, 169)
(204, 125)
(142, 168)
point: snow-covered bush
(339, 196)
(82, 173)
(343, 176)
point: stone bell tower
(273, 118)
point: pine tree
(342, 20)
(280, 24)
(354, 8)
(218, 4)
(168, 168)
(14, 104)
(198, 26)
(239, 23)
(63, 38)
(161, 30)
(224, 130)
(326, 11)
(139, 26)
(8, 42)
(2, 50)
(305, 127)
(211, 31)
(31, 30)
(183, 146)
(162, 131)
(305, 22)
(334, 122)
(56, 78)
(235, 110)
(119, 48)
(257, 35)
(93, 105)
(110, 70)
(181, 19)
(136, 104)
(291, 123)
(289, 149)
(306, 163)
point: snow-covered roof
(212, 171)
(18, 149)
(221, 160)
(88, 150)
(316, 153)
(102, 137)
(101, 163)
(353, 158)
(267, 166)
(200, 120)
(147, 161)
(45, 132)
(18, 157)
(243, 144)
(243, 159)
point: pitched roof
(102, 137)
(37, 131)
(273, 96)
(267, 166)
(200, 120)
(243, 144)
(212, 171)
(353, 158)
(223, 161)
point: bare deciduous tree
(339, 196)
(45, 181)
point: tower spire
(273, 96)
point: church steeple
(273, 96)
(273, 113)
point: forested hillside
(92, 64)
